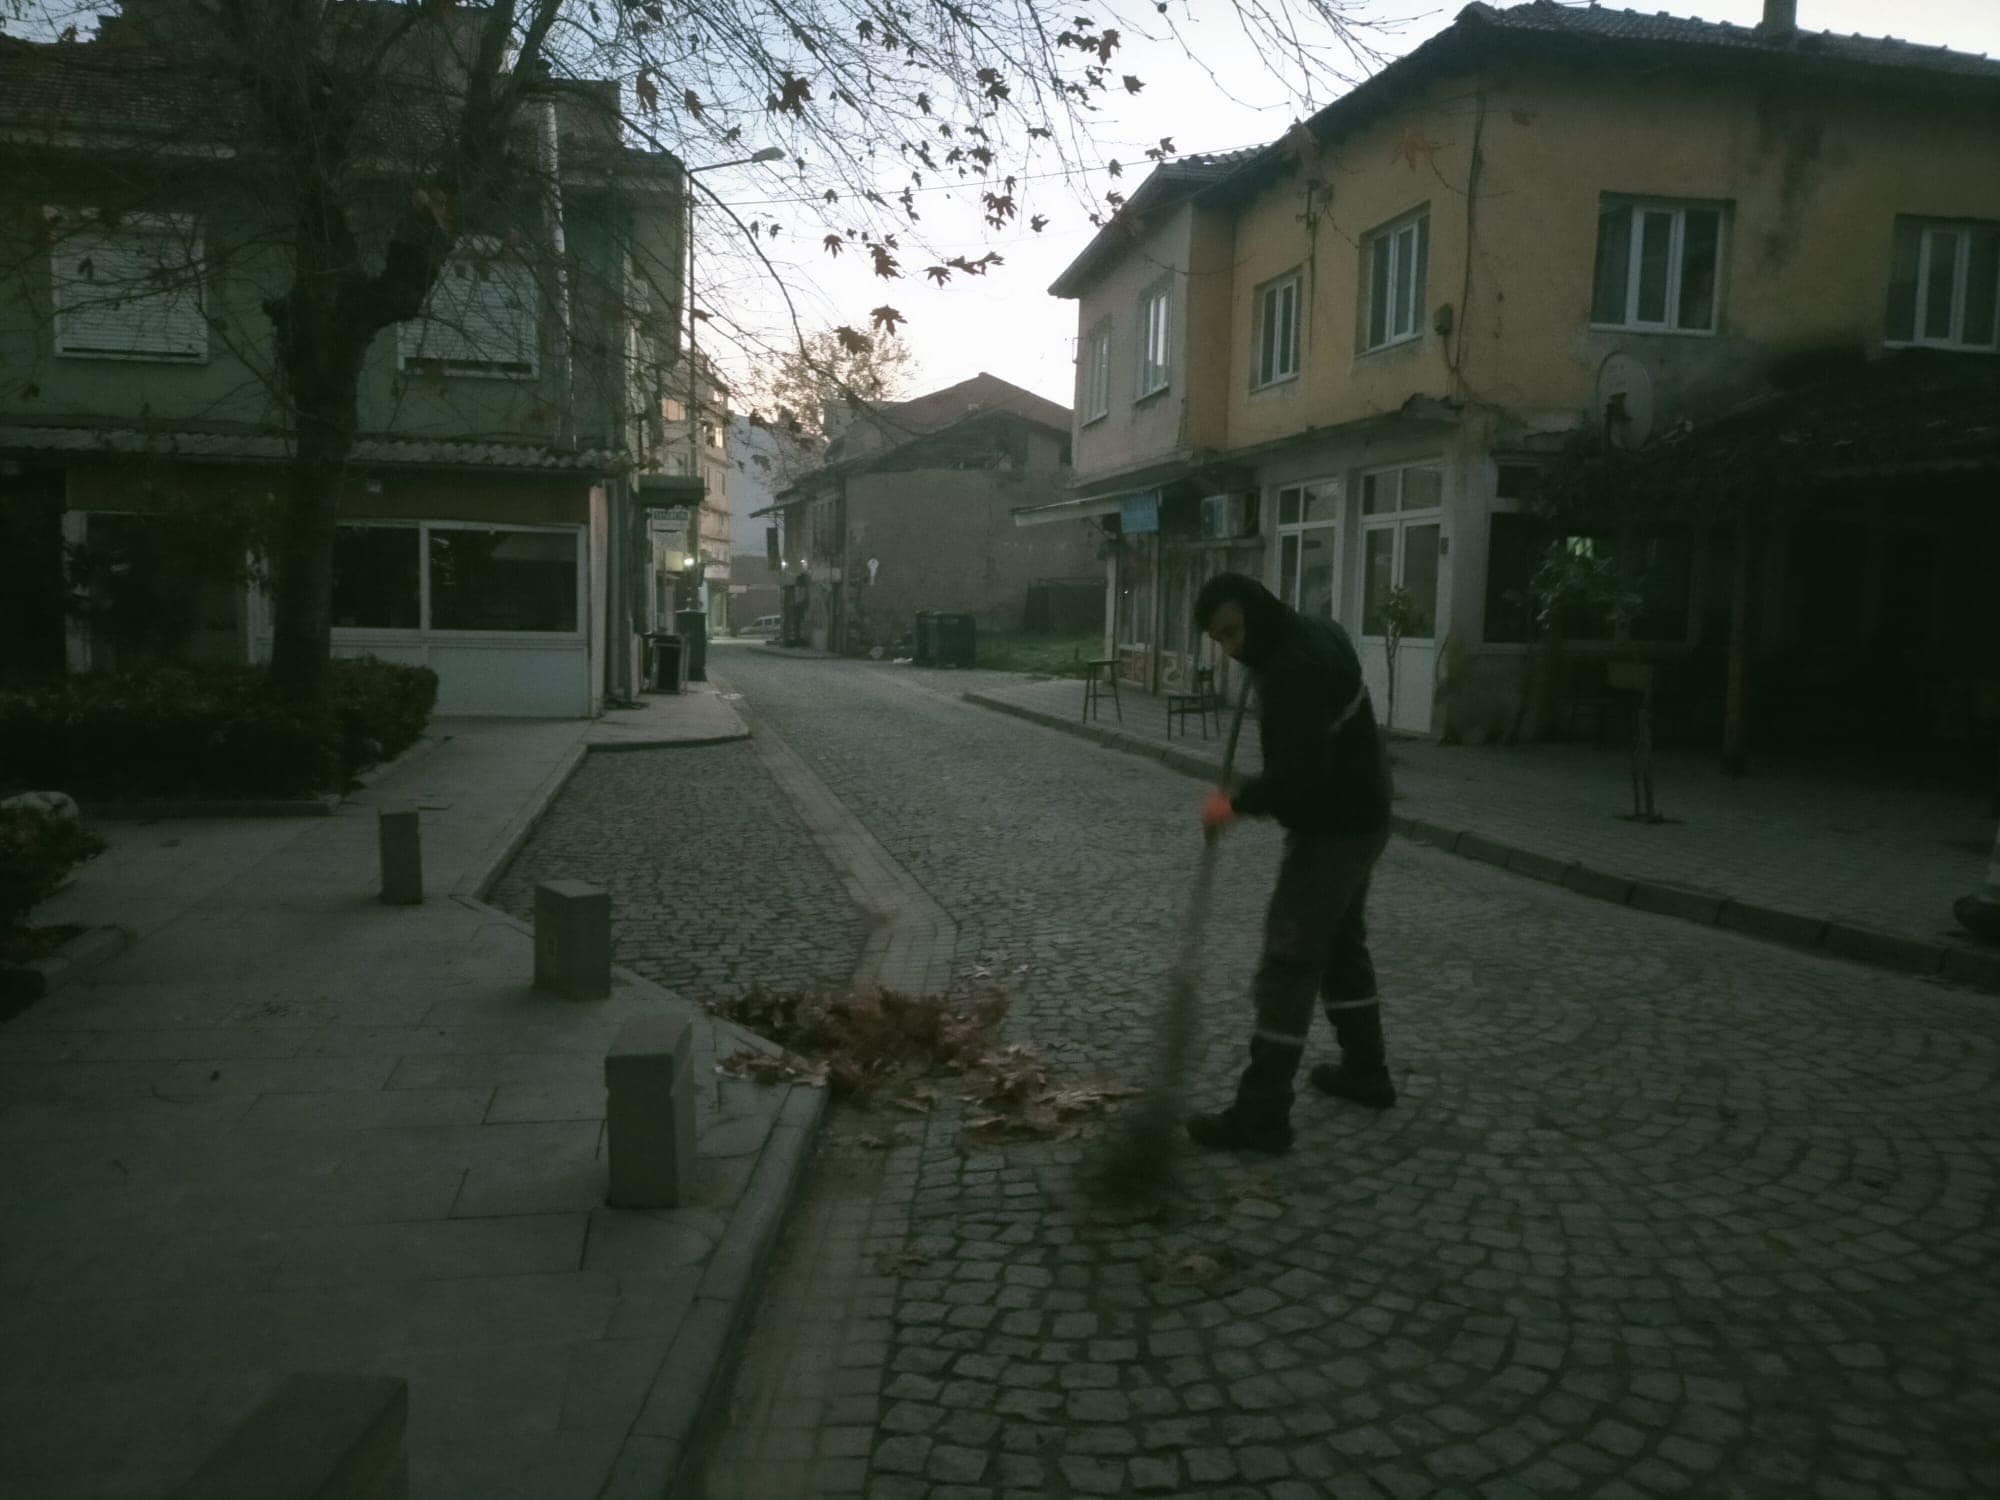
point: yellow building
(1338, 361)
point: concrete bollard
(332, 1437)
(402, 856)
(573, 939)
(649, 1113)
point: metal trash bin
(669, 658)
(693, 625)
(955, 639)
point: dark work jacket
(1326, 767)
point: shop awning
(1068, 510)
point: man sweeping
(1326, 781)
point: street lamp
(695, 399)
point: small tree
(1401, 614)
(1573, 578)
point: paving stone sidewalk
(292, 1129)
(1865, 865)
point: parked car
(765, 627)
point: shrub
(168, 732)
(36, 850)
(383, 702)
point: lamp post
(769, 153)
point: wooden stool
(1093, 689)
(1202, 703)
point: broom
(1138, 1161)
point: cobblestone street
(1662, 1210)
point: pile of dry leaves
(879, 1046)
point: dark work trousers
(1315, 944)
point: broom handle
(1235, 729)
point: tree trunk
(321, 347)
(1736, 705)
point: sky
(1006, 323)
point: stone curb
(613, 747)
(1968, 967)
(249, 807)
(664, 1451)
(89, 949)
(680, 1414)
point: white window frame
(1399, 521)
(1333, 492)
(1096, 402)
(1964, 229)
(1155, 345)
(190, 344)
(362, 634)
(1679, 209)
(1274, 343)
(413, 334)
(1406, 304)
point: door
(1402, 517)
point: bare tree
(360, 147)
(801, 386)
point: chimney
(1781, 19)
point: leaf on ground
(1204, 1267)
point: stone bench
(316, 1437)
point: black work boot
(1260, 1119)
(1226, 1130)
(1363, 1074)
(1371, 1088)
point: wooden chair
(1100, 672)
(1204, 702)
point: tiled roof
(1173, 179)
(1600, 23)
(264, 447)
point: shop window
(375, 584)
(501, 579)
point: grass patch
(1044, 655)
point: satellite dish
(1625, 400)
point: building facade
(913, 510)
(485, 520)
(1542, 220)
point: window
(129, 289)
(1397, 260)
(1097, 372)
(1276, 352)
(502, 579)
(1400, 527)
(480, 319)
(446, 576)
(375, 585)
(1308, 550)
(1153, 347)
(1944, 284)
(1658, 266)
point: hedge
(36, 850)
(206, 732)
(383, 706)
